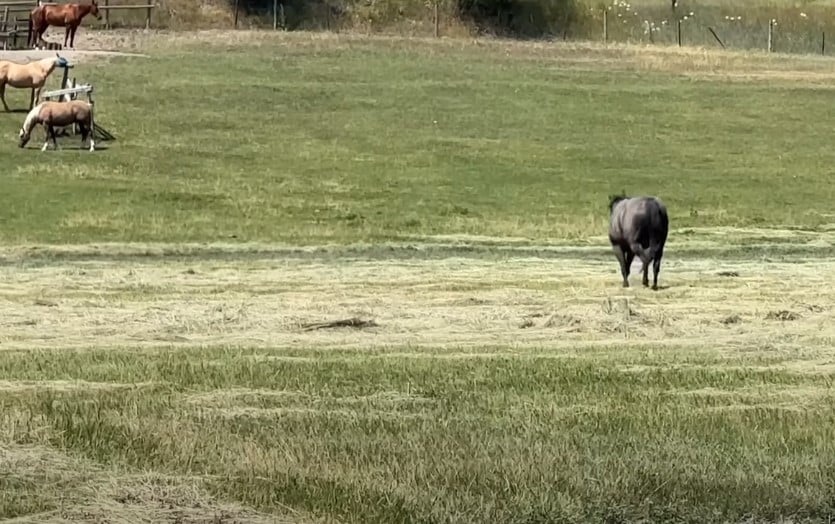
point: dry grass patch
(483, 371)
(524, 301)
(695, 62)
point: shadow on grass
(392, 251)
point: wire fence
(761, 27)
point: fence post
(435, 18)
(236, 14)
(107, 14)
(275, 15)
(716, 37)
(823, 42)
(770, 35)
(678, 33)
(605, 25)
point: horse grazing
(638, 226)
(32, 75)
(59, 114)
(63, 15)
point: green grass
(523, 439)
(344, 141)
(507, 379)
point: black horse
(638, 226)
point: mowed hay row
(568, 303)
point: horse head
(614, 199)
(24, 137)
(29, 123)
(94, 10)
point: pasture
(162, 351)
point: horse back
(64, 113)
(639, 219)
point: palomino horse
(64, 15)
(32, 75)
(58, 114)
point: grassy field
(319, 139)
(162, 355)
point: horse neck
(84, 10)
(46, 65)
(32, 118)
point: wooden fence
(14, 20)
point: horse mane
(29, 123)
(614, 199)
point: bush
(523, 18)
(515, 18)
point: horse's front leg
(46, 138)
(66, 35)
(54, 137)
(36, 97)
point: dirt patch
(74, 56)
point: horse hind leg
(622, 257)
(85, 131)
(656, 266)
(646, 259)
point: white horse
(58, 114)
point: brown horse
(64, 15)
(58, 114)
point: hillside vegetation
(799, 26)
